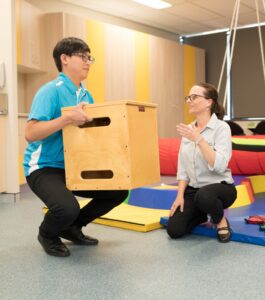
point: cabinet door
(28, 36)
(74, 26)
(62, 25)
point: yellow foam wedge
(133, 218)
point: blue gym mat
(242, 232)
(152, 198)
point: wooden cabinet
(35, 61)
(28, 37)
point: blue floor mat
(152, 198)
(242, 232)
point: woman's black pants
(210, 200)
(64, 211)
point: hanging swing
(228, 56)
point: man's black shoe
(75, 235)
(53, 246)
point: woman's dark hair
(68, 46)
(210, 92)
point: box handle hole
(96, 122)
(98, 174)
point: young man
(44, 159)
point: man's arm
(39, 130)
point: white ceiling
(184, 17)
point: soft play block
(117, 150)
(258, 183)
(244, 196)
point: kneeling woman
(205, 182)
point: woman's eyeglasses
(194, 97)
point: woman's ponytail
(210, 92)
(218, 109)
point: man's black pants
(211, 199)
(64, 211)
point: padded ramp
(242, 232)
(132, 217)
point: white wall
(8, 56)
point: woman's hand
(178, 203)
(188, 131)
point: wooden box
(117, 150)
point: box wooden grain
(117, 150)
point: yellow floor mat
(133, 218)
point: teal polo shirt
(46, 106)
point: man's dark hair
(68, 46)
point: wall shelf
(28, 70)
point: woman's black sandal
(224, 237)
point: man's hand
(77, 116)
